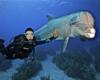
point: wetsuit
(20, 47)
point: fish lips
(90, 34)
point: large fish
(79, 24)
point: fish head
(87, 25)
(87, 33)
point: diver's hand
(55, 33)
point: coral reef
(95, 50)
(41, 55)
(76, 63)
(27, 70)
(97, 64)
(45, 78)
(4, 64)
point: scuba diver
(23, 44)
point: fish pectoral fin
(65, 44)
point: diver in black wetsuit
(22, 45)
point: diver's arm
(52, 38)
(40, 42)
(45, 41)
(55, 34)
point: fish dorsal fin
(49, 17)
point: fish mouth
(90, 33)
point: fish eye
(83, 27)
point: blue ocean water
(17, 15)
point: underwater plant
(27, 71)
(76, 63)
(4, 64)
